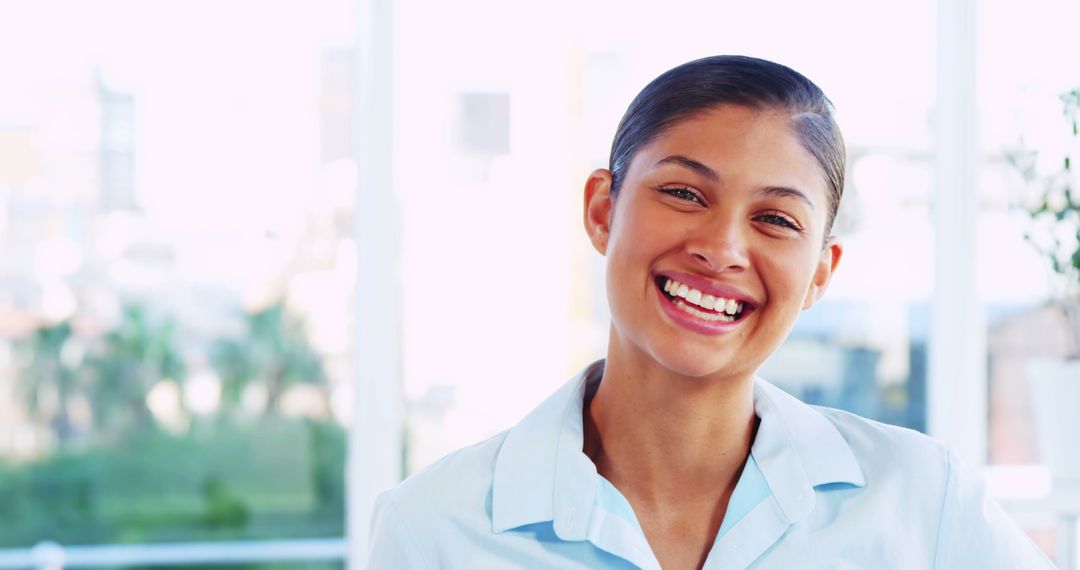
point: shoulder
(928, 480)
(883, 447)
(902, 467)
(440, 505)
(457, 483)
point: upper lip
(711, 287)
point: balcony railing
(52, 556)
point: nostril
(727, 259)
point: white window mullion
(957, 361)
(374, 450)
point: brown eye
(781, 220)
(682, 193)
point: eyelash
(784, 221)
(775, 218)
(682, 193)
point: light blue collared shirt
(822, 488)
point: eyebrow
(687, 162)
(785, 192)
(704, 170)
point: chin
(693, 364)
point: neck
(667, 439)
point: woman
(715, 218)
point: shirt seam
(944, 502)
(412, 536)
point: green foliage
(229, 481)
(133, 357)
(275, 350)
(328, 445)
(131, 481)
(1055, 230)
(1055, 222)
(49, 376)
(223, 508)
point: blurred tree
(328, 442)
(275, 351)
(223, 507)
(133, 357)
(49, 375)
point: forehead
(742, 144)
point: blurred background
(248, 247)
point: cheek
(638, 235)
(787, 274)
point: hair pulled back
(702, 84)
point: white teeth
(719, 304)
(703, 314)
(705, 301)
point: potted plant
(1055, 232)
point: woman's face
(713, 243)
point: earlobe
(598, 207)
(830, 258)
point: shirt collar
(541, 473)
(797, 448)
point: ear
(830, 258)
(598, 207)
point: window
(177, 268)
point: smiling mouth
(701, 305)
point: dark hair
(731, 79)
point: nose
(719, 246)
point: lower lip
(693, 323)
